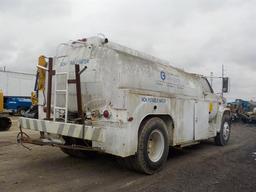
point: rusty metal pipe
(49, 89)
(79, 93)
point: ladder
(76, 81)
(64, 91)
(57, 110)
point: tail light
(106, 114)
(84, 39)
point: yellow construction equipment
(5, 122)
(41, 72)
(34, 98)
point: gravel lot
(203, 167)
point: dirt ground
(203, 167)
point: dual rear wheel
(153, 148)
(76, 152)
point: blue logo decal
(162, 75)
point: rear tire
(5, 123)
(78, 153)
(75, 152)
(223, 136)
(153, 148)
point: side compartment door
(185, 120)
(201, 121)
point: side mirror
(225, 84)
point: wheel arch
(168, 120)
(226, 111)
(19, 108)
(221, 113)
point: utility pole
(222, 76)
(211, 78)
(224, 81)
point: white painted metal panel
(185, 120)
(16, 84)
(201, 120)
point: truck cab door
(205, 110)
(210, 97)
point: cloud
(198, 35)
(34, 9)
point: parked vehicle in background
(17, 105)
(17, 87)
(243, 110)
(101, 96)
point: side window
(206, 85)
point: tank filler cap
(105, 40)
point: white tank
(112, 70)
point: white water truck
(97, 95)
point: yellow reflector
(210, 107)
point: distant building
(16, 83)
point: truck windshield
(206, 85)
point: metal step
(63, 108)
(61, 73)
(61, 90)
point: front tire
(153, 147)
(21, 111)
(223, 136)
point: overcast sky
(196, 35)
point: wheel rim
(226, 130)
(22, 112)
(155, 145)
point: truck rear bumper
(64, 129)
(107, 137)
